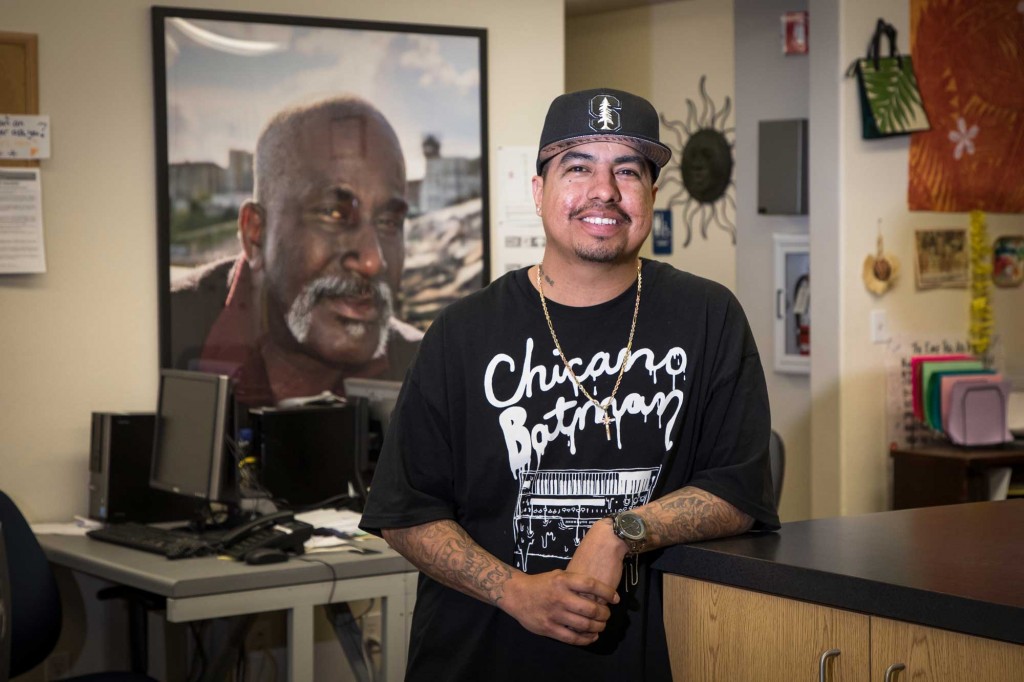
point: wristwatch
(631, 528)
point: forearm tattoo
(692, 514)
(445, 551)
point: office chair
(35, 615)
(777, 455)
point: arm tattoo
(445, 551)
(692, 514)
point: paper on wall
(519, 238)
(21, 222)
(24, 137)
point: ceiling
(579, 8)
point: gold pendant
(607, 425)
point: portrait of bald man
(310, 300)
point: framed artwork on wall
(321, 193)
(941, 258)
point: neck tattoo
(603, 406)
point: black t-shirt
(491, 431)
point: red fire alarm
(794, 33)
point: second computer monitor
(380, 397)
(191, 424)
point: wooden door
(932, 655)
(719, 633)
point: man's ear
(250, 232)
(538, 192)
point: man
(561, 426)
(309, 301)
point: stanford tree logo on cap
(604, 112)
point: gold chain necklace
(625, 360)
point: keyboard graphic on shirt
(556, 508)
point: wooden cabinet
(948, 474)
(716, 632)
(936, 655)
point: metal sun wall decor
(704, 172)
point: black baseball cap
(602, 115)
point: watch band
(635, 540)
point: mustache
(335, 286)
(300, 316)
(600, 206)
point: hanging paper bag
(890, 102)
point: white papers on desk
(998, 482)
(80, 526)
(344, 522)
(21, 222)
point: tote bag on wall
(890, 101)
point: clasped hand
(570, 606)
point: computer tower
(312, 453)
(120, 451)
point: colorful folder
(928, 370)
(915, 377)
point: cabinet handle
(823, 662)
(890, 672)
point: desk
(198, 589)
(948, 474)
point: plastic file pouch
(949, 380)
(977, 413)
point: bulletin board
(19, 79)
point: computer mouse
(265, 555)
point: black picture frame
(219, 76)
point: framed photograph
(941, 259)
(321, 193)
(1008, 261)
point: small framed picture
(1008, 261)
(794, 33)
(941, 259)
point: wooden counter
(925, 585)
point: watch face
(631, 526)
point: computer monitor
(188, 445)
(312, 453)
(380, 397)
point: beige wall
(874, 185)
(660, 52)
(83, 337)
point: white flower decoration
(963, 136)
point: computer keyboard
(169, 543)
